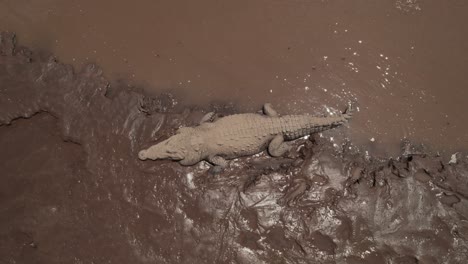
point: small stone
(453, 159)
(356, 174)
(422, 176)
(449, 200)
(319, 180)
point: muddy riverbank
(73, 191)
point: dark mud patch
(73, 191)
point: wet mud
(72, 189)
(403, 62)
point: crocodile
(233, 136)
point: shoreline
(70, 163)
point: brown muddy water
(72, 189)
(403, 62)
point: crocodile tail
(348, 112)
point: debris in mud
(72, 184)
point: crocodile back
(238, 135)
(247, 134)
(255, 125)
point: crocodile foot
(278, 147)
(215, 170)
(348, 113)
(208, 118)
(269, 111)
(219, 164)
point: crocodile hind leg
(278, 147)
(209, 117)
(219, 164)
(269, 111)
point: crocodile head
(178, 147)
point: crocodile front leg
(219, 164)
(278, 147)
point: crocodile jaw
(171, 148)
(154, 154)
